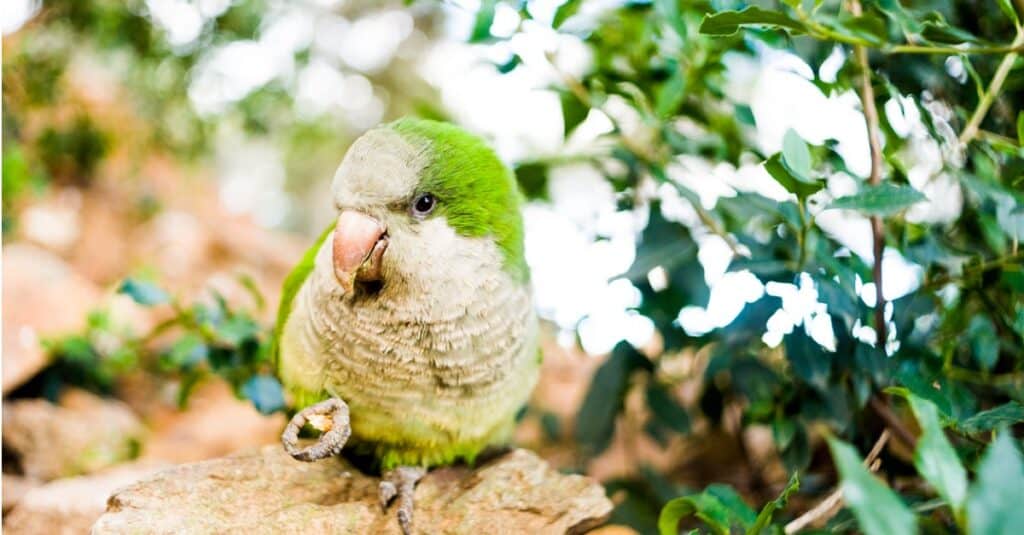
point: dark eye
(423, 205)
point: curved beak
(359, 244)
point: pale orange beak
(359, 245)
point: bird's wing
(290, 289)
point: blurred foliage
(958, 341)
(193, 343)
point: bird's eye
(423, 205)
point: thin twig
(867, 97)
(829, 506)
(971, 130)
(893, 422)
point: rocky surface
(71, 505)
(266, 491)
(82, 434)
(42, 296)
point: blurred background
(707, 295)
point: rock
(81, 435)
(15, 488)
(73, 504)
(42, 296)
(266, 491)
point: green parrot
(407, 331)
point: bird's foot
(401, 482)
(329, 416)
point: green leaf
(729, 22)
(671, 94)
(796, 156)
(595, 421)
(573, 112)
(1004, 415)
(984, 342)
(564, 11)
(883, 199)
(706, 507)
(484, 20)
(938, 30)
(1020, 128)
(265, 392)
(1008, 10)
(237, 329)
(994, 503)
(787, 179)
(809, 360)
(764, 518)
(935, 458)
(144, 293)
(719, 507)
(187, 351)
(879, 510)
(666, 409)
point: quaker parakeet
(407, 331)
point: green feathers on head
(477, 194)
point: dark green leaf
(984, 342)
(265, 392)
(573, 112)
(939, 31)
(764, 518)
(144, 293)
(666, 409)
(187, 351)
(671, 94)
(879, 510)
(809, 360)
(1004, 415)
(883, 199)
(729, 22)
(595, 421)
(935, 458)
(994, 503)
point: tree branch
(974, 123)
(867, 97)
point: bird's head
(424, 203)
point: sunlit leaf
(796, 156)
(564, 11)
(729, 22)
(935, 458)
(994, 503)
(719, 507)
(879, 510)
(883, 199)
(484, 20)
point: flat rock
(266, 491)
(83, 434)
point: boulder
(42, 296)
(82, 434)
(266, 491)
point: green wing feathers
(290, 289)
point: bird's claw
(331, 417)
(401, 482)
